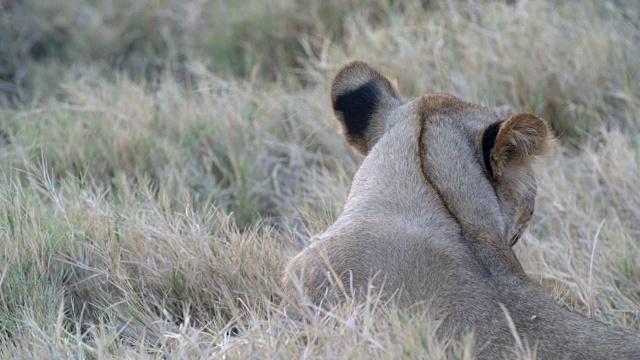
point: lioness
(446, 188)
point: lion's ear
(361, 99)
(512, 142)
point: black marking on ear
(488, 142)
(357, 107)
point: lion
(445, 190)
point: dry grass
(147, 216)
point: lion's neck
(396, 194)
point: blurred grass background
(162, 159)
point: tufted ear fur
(512, 142)
(361, 99)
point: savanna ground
(162, 159)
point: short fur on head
(508, 147)
(445, 190)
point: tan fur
(429, 224)
(353, 76)
(521, 136)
